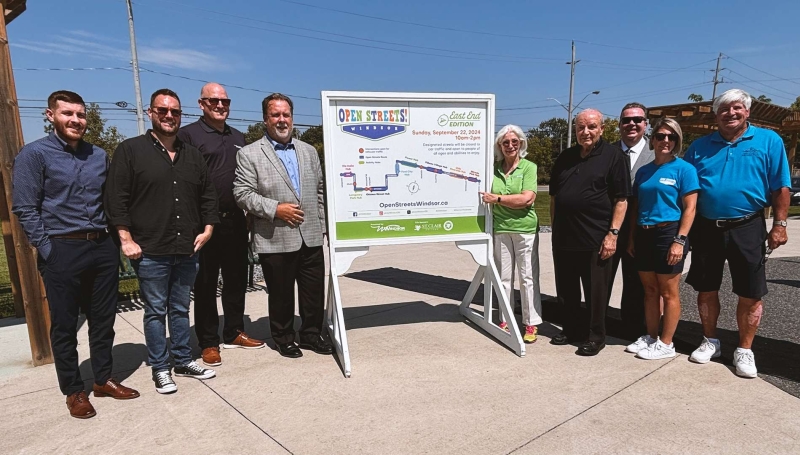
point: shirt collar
(178, 143)
(748, 134)
(210, 129)
(278, 146)
(598, 148)
(62, 143)
(636, 148)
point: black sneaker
(193, 370)
(164, 382)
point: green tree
(314, 136)
(254, 132)
(796, 105)
(611, 129)
(764, 99)
(696, 98)
(96, 132)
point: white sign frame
(480, 245)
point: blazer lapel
(301, 164)
(276, 162)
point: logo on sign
(373, 123)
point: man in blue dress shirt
(742, 169)
(58, 196)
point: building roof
(13, 9)
(699, 117)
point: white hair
(590, 111)
(523, 141)
(734, 95)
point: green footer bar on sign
(417, 227)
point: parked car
(795, 190)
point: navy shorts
(652, 249)
(743, 245)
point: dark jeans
(227, 250)
(572, 269)
(632, 302)
(306, 267)
(165, 284)
(81, 274)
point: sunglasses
(163, 111)
(513, 142)
(661, 136)
(214, 101)
(626, 120)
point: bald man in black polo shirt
(227, 250)
(589, 187)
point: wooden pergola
(26, 283)
(699, 118)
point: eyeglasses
(162, 111)
(626, 120)
(661, 136)
(214, 101)
(513, 142)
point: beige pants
(520, 251)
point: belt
(82, 235)
(653, 226)
(734, 221)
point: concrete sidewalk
(424, 381)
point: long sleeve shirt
(58, 189)
(164, 203)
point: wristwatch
(679, 239)
(780, 223)
(614, 231)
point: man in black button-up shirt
(227, 250)
(589, 187)
(164, 206)
(58, 197)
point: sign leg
(335, 322)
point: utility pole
(716, 78)
(135, 62)
(571, 88)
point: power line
(71, 69)
(762, 71)
(765, 85)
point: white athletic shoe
(657, 351)
(642, 343)
(745, 363)
(708, 350)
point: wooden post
(791, 152)
(11, 255)
(31, 287)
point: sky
(655, 53)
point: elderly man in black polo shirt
(227, 249)
(589, 187)
(58, 197)
(163, 204)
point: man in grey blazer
(632, 126)
(279, 182)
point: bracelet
(680, 240)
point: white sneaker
(642, 343)
(745, 363)
(708, 350)
(657, 350)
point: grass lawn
(542, 206)
(794, 210)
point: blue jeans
(165, 283)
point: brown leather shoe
(211, 356)
(244, 341)
(79, 406)
(112, 388)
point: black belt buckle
(723, 223)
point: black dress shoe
(318, 345)
(289, 350)
(590, 348)
(559, 340)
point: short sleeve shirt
(660, 190)
(737, 178)
(585, 190)
(505, 219)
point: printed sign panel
(406, 168)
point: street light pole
(569, 110)
(135, 62)
(571, 88)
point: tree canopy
(96, 132)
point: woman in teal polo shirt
(663, 208)
(516, 242)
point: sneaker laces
(163, 377)
(746, 357)
(194, 368)
(530, 330)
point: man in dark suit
(632, 126)
(279, 181)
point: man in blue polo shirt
(742, 169)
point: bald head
(215, 104)
(589, 128)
